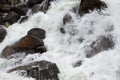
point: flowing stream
(69, 48)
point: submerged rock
(77, 64)
(90, 5)
(3, 33)
(40, 70)
(101, 44)
(67, 19)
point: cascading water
(69, 48)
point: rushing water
(66, 49)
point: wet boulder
(31, 3)
(21, 9)
(37, 32)
(27, 43)
(31, 43)
(90, 5)
(40, 70)
(102, 43)
(11, 17)
(3, 33)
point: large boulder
(3, 33)
(40, 70)
(102, 43)
(31, 43)
(27, 43)
(90, 5)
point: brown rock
(37, 32)
(7, 52)
(31, 43)
(27, 43)
(3, 33)
(41, 70)
(90, 5)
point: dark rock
(67, 19)
(1, 14)
(1, 20)
(62, 30)
(90, 5)
(43, 7)
(37, 32)
(41, 49)
(3, 33)
(41, 70)
(13, 2)
(11, 17)
(23, 19)
(6, 8)
(7, 52)
(77, 64)
(35, 8)
(3, 1)
(21, 9)
(101, 44)
(31, 3)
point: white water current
(66, 49)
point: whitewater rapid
(65, 49)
